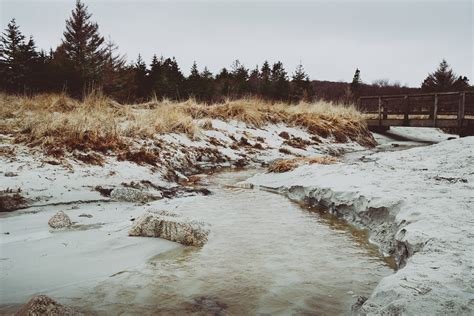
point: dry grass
(285, 165)
(58, 123)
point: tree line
(85, 60)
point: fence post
(461, 109)
(380, 111)
(406, 111)
(435, 109)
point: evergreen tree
(12, 71)
(443, 79)
(141, 79)
(172, 79)
(155, 72)
(265, 88)
(27, 65)
(194, 82)
(280, 83)
(114, 72)
(224, 83)
(356, 84)
(194, 71)
(83, 46)
(112, 59)
(462, 83)
(301, 86)
(206, 74)
(254, 81)
(207, 92)
(239, 79)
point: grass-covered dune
(57, 123)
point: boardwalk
(453, 110)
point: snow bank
(418, 206)
(102, 203)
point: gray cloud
(399, 40)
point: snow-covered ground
(99, 237)
(418, 206)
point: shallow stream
(265, 255)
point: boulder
(188, 233)
(44, 305)
(133, 195)
(59, 220)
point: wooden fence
(448, 109)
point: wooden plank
(414, 95)
(420, 122)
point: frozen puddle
(265, 255)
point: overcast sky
(398, 40)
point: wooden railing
(447, 109)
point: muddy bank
(417, 205)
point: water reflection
(266, 255)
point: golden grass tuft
(285, 165)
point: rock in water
(59, 220)
(356, 307)
(188, 233)
(132, 195)
(44, 305)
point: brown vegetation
(59, 124)
(285, 165)
(10, 200)
(141, 157)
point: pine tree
(223, 83)
(141, 80)
(172, 79)
(462, 83)
(280, 83)
(194, 71)
(155, 70)
(254, 81)
(11, 41)
(194, 84)
(443, 79)
(27, 61)
(17, 59)
(112, 59)
(265, 88)
(240, 76)
(207, 85)
(356, 84)
(83, 45)
(301, 86)
(113, 71)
